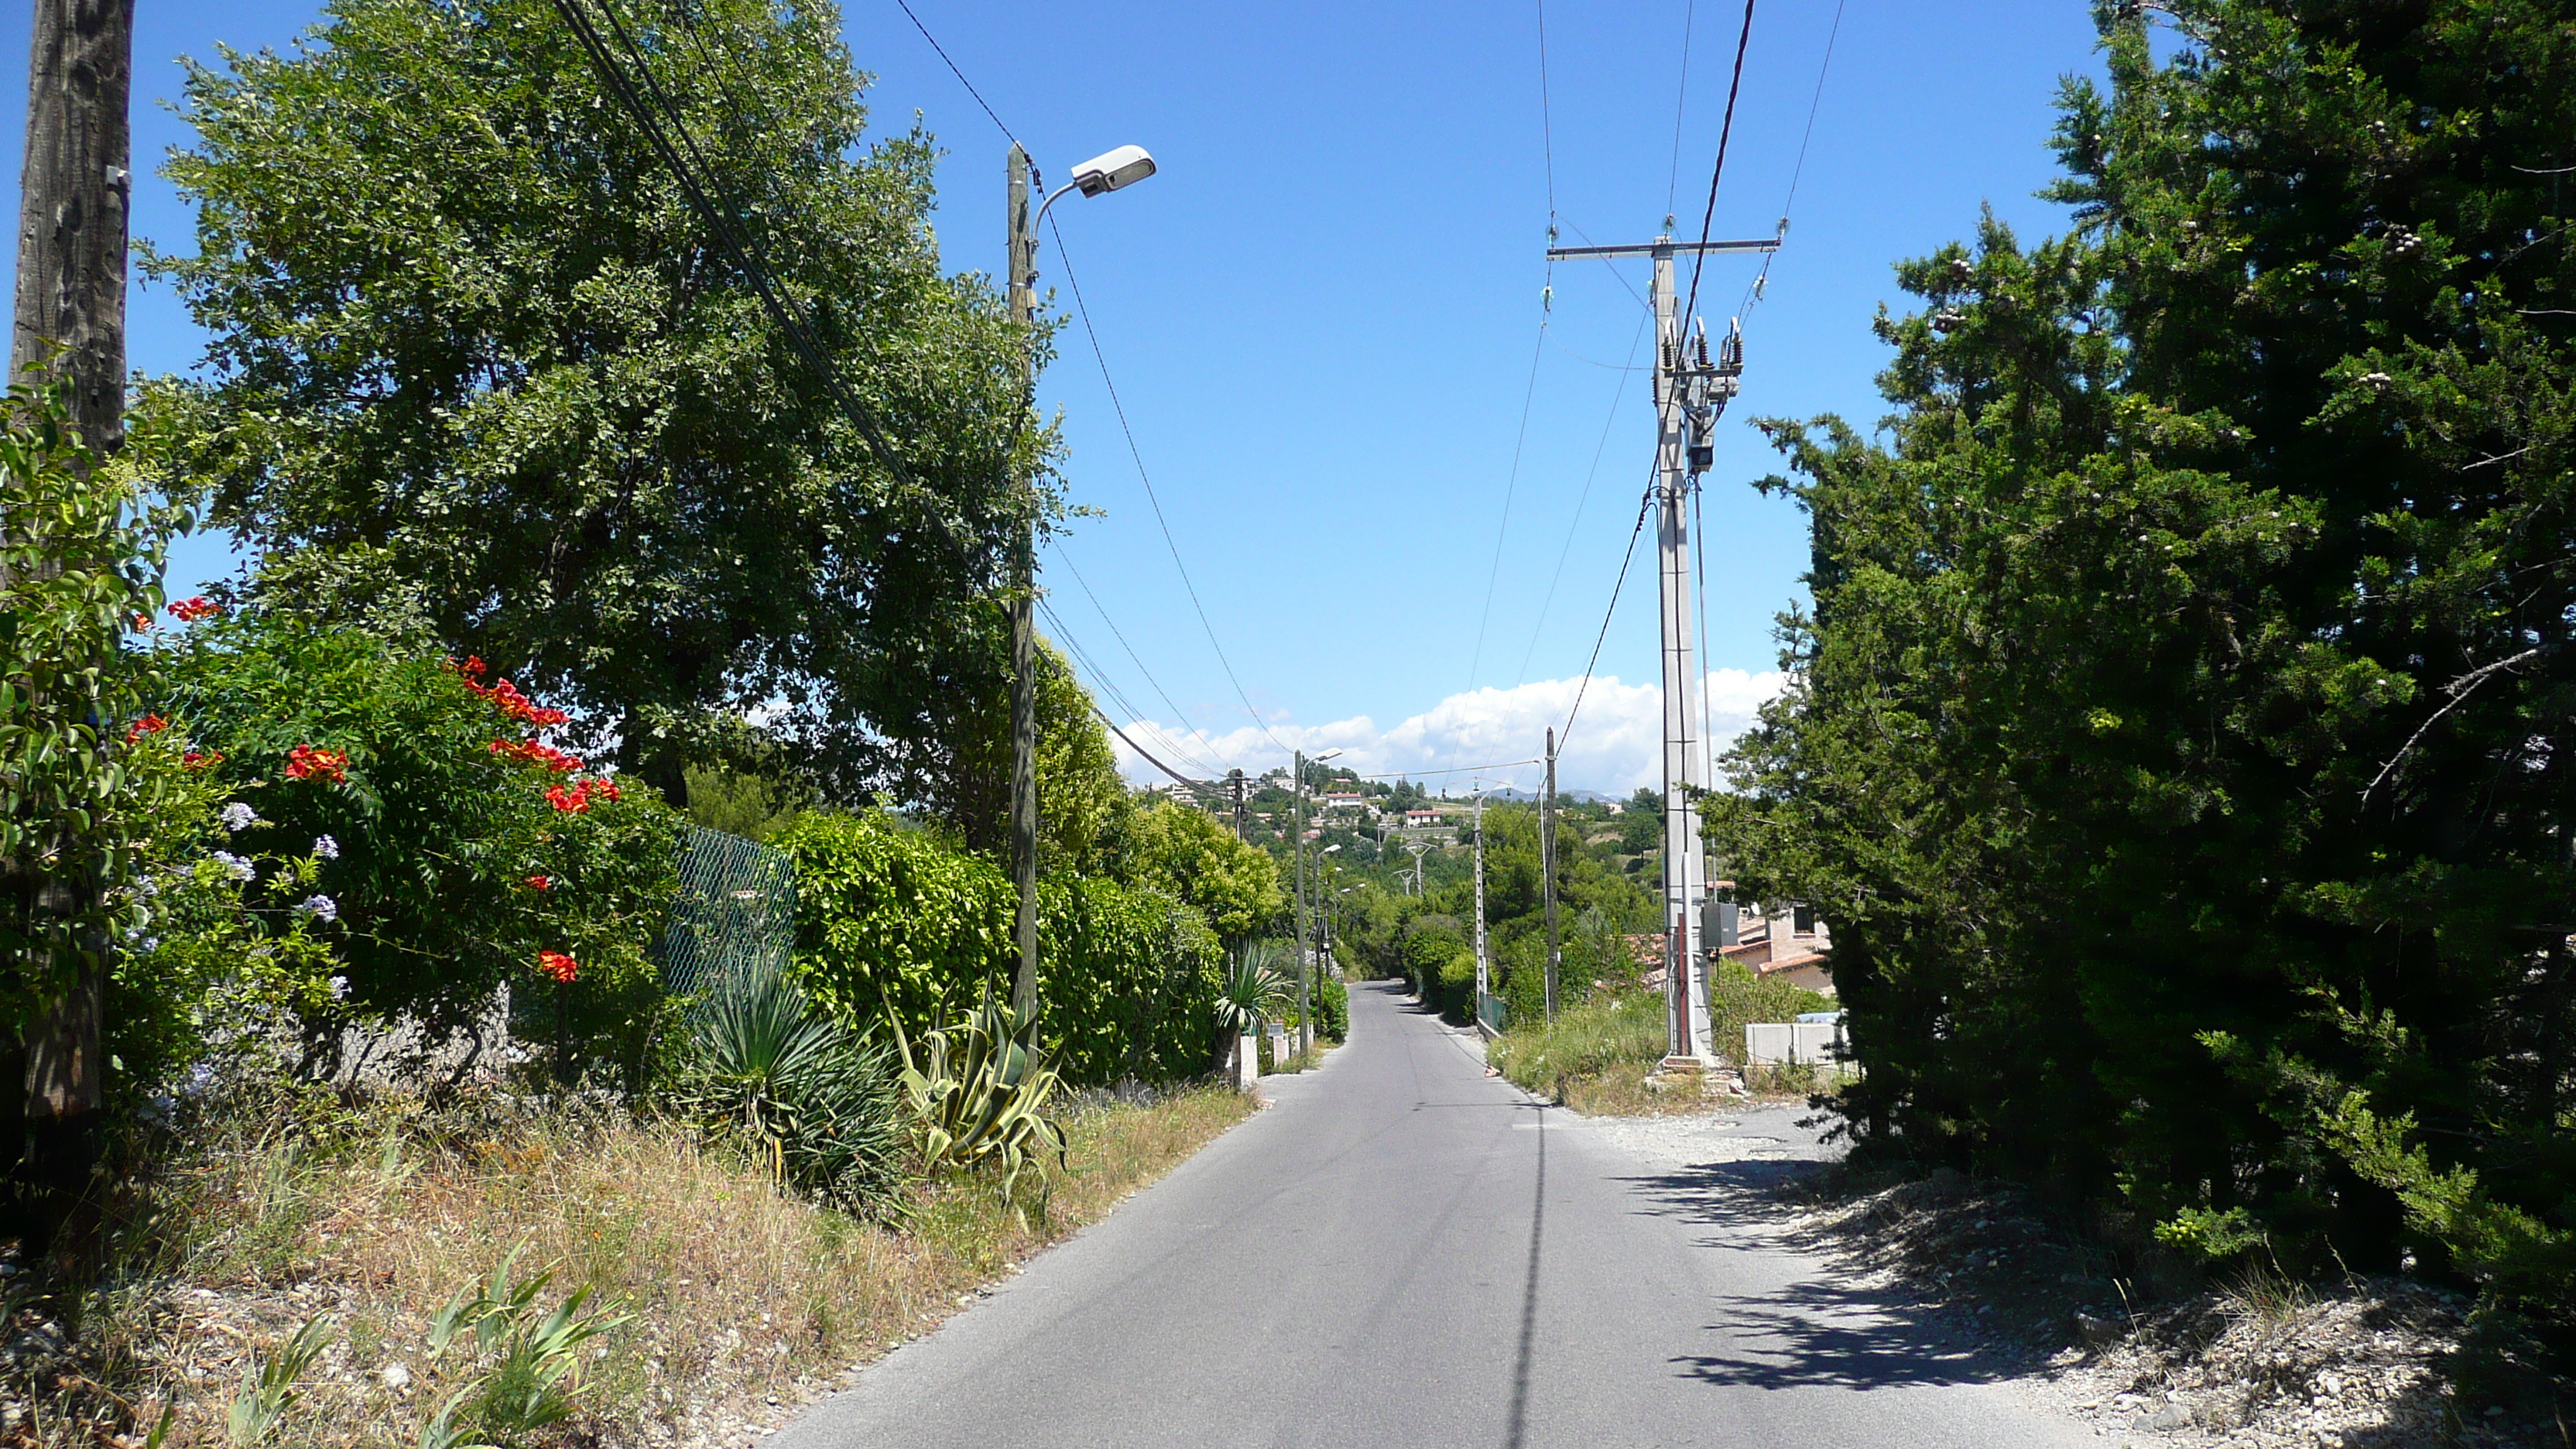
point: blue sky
(1321, 318)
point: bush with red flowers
(447, 807)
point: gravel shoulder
(2363, 1364)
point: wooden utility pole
(70, 320)
(72, 205)
(1547, 866)
(1297, 763)
(1024, 684)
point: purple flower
(237, 816)
(325, 848)
(235, 866)
(319, 907)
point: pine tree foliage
(2180, 743)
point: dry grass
(1623, 1092)
(742, 1303)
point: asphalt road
(1404, 1251)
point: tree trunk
(70, 320)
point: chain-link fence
(735, 918)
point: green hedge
(889, 916)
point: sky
(1387, 505)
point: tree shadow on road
(1826, 1327)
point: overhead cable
(906, 7)
(1725, 130)
(1753, 291)
(1083, 310)
(789, 318)
(1066, 258)
(1591, 475)
(1616, 588)
(1681, 98)
(1121, 636)
(1147, 757)
(1104, 684)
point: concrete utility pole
(1690, 392)
(1024, 684)
(1547, 866)
(1482, 972)
(1418, 847)
(72, 218)
(1234, 784)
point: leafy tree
(1193, 857)
(963, 774)
(466, 329)
(2180, 742)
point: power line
(1753, 291)
(1121, 636)
(1546, 123)
(1100, 677)
(1083, 310)
(1147, 757)
(1511, 487)
(1538, 351)
(1725, 130)
(1460, 770)
(1567, 733)
(961, 75)
(1590, 476)
(1681, 98)
(1103, 684)
(746, 252)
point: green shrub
(79, 562)
(1332, 1008)
(1523, 964)
(1588, 1039)
(457, 851)
(817, 1101)
(219, 934)
(1736, 997)
(894, 920)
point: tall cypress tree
(2179, 743)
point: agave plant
(816, 1098)
(978, 1096)
(1257, 989)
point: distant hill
(1530, 797)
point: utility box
(1776, 1043)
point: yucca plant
(819, 1100)
(1255, 990)
(978, 1096)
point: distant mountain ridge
(1530, 797)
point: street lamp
(1101, 174)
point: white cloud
(1616, 744)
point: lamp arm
(1050, 201)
